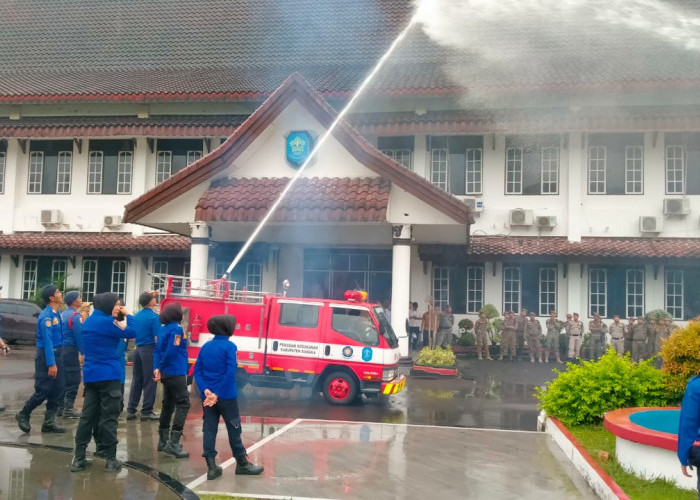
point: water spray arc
(318, 145)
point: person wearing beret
(71, 351)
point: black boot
(173, 446)
(69, 410)
(245, 468)
(23, 421)
(113, 465)
(79, 461)
(213, 470)
(59, 411)
(50, 423)
(163, 435)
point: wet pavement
(432, 438)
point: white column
(576, 185)
(401, 284)
(577, 288)
(199, 252)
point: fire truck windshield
(385, 328)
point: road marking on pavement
(257, 495)
(451, 427)
(253, 447)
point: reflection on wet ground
(381, 448)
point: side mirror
(36, 314)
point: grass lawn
(595, 438)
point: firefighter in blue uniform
(72, 348)
(48, 365)
(170, 368)
(108, 325)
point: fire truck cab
(343, 348)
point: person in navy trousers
(215, 374)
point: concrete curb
(602, 484)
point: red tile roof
(309, 200)
(176, 50)
(104, 243)
(295, 88)
(511, 246)
(105, 126)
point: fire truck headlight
(389, 374)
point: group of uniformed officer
(641, 340)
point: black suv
(18, 320)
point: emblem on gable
(298, 145)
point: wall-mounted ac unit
(112, 220)
(546, 221)
(676, 206)
(650, 224)
(474, 204)
(521, 217)
(50, 217)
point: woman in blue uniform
(215, 374)
(170, 368)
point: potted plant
(436, 361)
(467, 339)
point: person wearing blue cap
(71, 351)
(147, 329)
(48, 365)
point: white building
(577, 191)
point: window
(633, 170)
(186, 269)
(511, 288)
(299, 315)
(475, 289)
(616, 164)
(438, 170)
(59, 269)
(550, 170)
(635, 293)
(597, 292)
(399, 149)
(125, 161)
(95, 172)
(65, 162)
(674, 293)
(253, 277)
(29, 277)
(160, 267)
(514, 171)
(89, 279)
(532, 164)
(441, 286)
(3, 162)
(50, 167)
(356, 324)
(547, 290)
(118, 280)
(172, 155)
(473, 171)
(675, 170)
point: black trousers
(227, 408)
(142, 380)
(101, 409)
(175, 398)
(71, 367)
(97, 431)
(46, 388)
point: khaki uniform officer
(481, 332)
(533, 334)
(574, 329)
(617, 336)
(598, 330)
(629, 329)
(639, 338)
(553, 329)
(510, 326)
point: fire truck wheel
(340, 388)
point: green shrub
(681, 358)
(656, 314)
(465, 325)
(436, 357)
(584, 392)
(467, 338)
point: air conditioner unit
(650, 224)
(546, 221)
(50, 217)
(112, 220)
(474, 204)
(521, 217)
(676, 206)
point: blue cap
(70, 297)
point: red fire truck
(344, 348)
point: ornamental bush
(465, 325)
(584, 392)
(681, 358)
(437, 357)
(467, 338)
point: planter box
(435, 370)
(464, 349)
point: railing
(167, 285)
